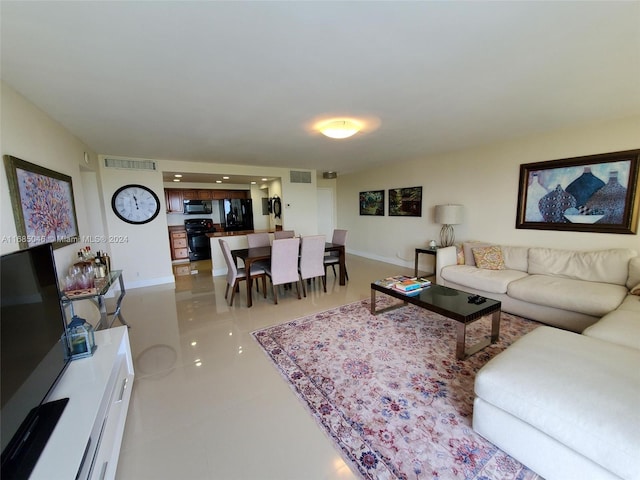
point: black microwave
(192, 207)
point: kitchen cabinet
(190, 194)
(178, 242)
(219, 194)
(174, 198)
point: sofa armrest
(445, 257)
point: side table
(428, 251)
(97, 298)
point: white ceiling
(241, 82)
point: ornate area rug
(389, 392)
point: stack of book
(404, 284)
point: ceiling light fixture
(176, 179)
(339, 128)
(178, 175)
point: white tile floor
(207, 403)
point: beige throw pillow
(489, 258)
(468, 255)
(636, 290)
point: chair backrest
(339, 237)
(258, 240)
(284, 260)
(312, 256)
(232, 271)
(278, 234)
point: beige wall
(485, 181)
(29, 134)
(141, 251)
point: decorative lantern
(81, 338)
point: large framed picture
(405, 202)
(42, 202)
(372, 203)
(596, 193)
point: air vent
(130, 164)
(329, 175)
(299, 177)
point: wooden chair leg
(304, 289)
(333, 266)
(275, 295)
(233, 292)
(324, 283)
(264, 285)
(298, 289)
(226, 292)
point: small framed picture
(372, 203)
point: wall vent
(299, 177)
(130, 164)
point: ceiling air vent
(299, 177)
(130, 164)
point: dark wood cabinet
(190, 194)
(174, 198)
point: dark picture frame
(405, 202)
(43, 204)
(372, 202)
(595, 193)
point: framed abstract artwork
(43, 205)
(405, 202)
(596, 193)
(372, 203)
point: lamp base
(447, 236)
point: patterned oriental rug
(389, 392)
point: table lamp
(448, 215)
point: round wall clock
(135, 204)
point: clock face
(135, 204)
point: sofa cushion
(634, 273)
(621, 327)
(580, 391)
(491, 281)
(489, 258)
(590, 298)
(606, 266)
(632, 303)
(515, 258)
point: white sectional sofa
(563, 288)
(563, 403)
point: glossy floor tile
(207, 403)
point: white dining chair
(311, 260)
(279, 234)
(284, 264)
(235, 275)
(333, 258)
(258, 240)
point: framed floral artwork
(596, 193)
(372, 203)
(43, 205)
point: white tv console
(86, 441)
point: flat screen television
(32, 355)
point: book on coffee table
(412, 284)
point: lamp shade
(449, 214)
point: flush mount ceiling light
(339, 128)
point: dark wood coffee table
(451, 303)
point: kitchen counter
(239, 232)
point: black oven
(197, 240)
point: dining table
(260, 254)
